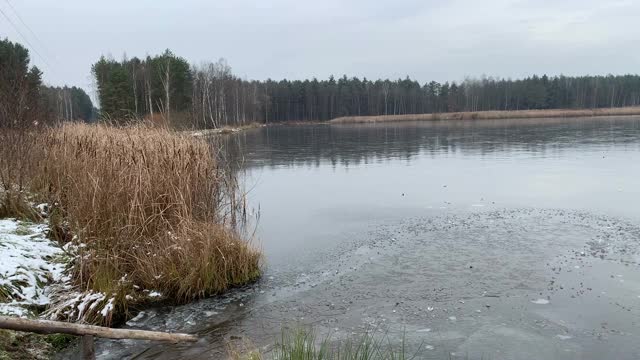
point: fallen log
(58, 327)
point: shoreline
(224, 130)
(491, 115)
(464, 115)
(236, 129)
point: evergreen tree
(211, 96)
(19, 86)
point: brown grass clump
(15, 202)
(487, 115)
(150, 211)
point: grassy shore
(302, 344)
(147, 215)
(489, 115)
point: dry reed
(149, 210)
(488, 115)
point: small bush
(302, 344)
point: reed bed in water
(487, 115)
(148, 213)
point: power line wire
(25, 38)
(40, 42)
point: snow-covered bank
(32, 280)
(29, 264)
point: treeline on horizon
(167, 88)
(25, 100)
(209, 95)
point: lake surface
(505, 239)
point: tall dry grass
(490, 115)
(303, 344)
(146, 208)
(15, 174)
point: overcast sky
(295, 39)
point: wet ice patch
(540, 301)
(136, 319)
(302, 279)
(363, 250)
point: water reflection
(353, 145)
(375, 224)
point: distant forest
(24, 100)
(167, 88)
(210, 95)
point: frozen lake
(505, 239)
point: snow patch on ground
(29, 262)
(137, 318)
